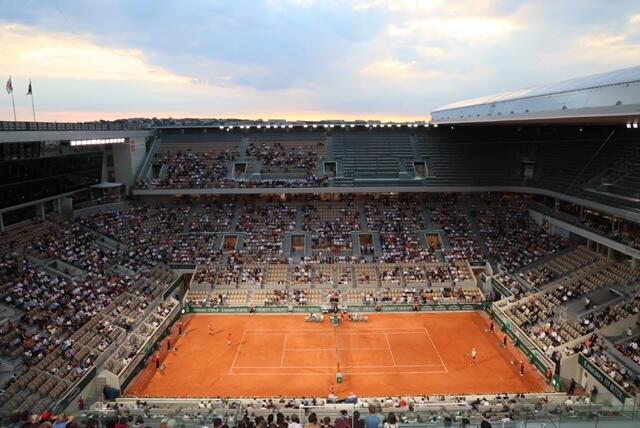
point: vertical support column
(58, 206)
(634, 261)
(1, 222)
(40, 211)
(581, 213)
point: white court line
(354, 333)
(338, 334)
(386, 336)
(233, 363)
(331, 367)
(310, 330)
(346, 373)
(436, 349)
(284, 346)
(333, 349)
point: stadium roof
(604, 97)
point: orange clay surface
(392, 354)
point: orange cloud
(32, 52)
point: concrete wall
(555, 229)
(29, 136)
(570, 228)
(537, 217)
(127, 159)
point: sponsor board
(307, 309)
(603, 378)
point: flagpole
(33, 109)
(14, 107)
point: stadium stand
(354, 218)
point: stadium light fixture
(290, 126)
(352, 125)
(635, 125)
(97, 142)
(435, 125)
(221, 127)
(628, 125)
(305, 125)
(315, 126)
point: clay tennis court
(392, 354)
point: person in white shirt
(295, 422)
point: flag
(29, 92)
(9, 86)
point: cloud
(391, 69)
(601, 41)
(32, 52)
(301, 58)
(469, 30)
(619, 50)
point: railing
(177, 283)
(352, 308)
(575, 221)
(76, 388)
(68, 126)
(521, 340)
(612, 386)
(431, 416)
(128, 373)
(506, 293)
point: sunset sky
(297, 59)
